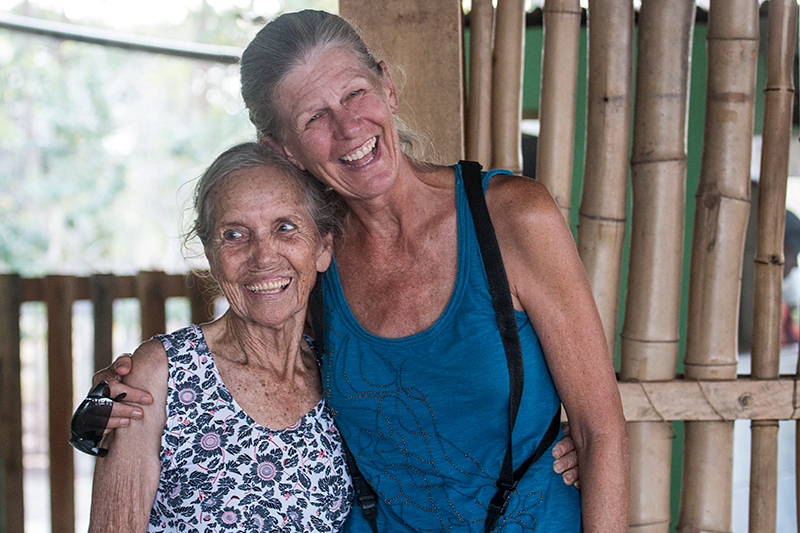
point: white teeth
(270, 286)
(361, 152)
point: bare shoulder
(149, 365)
(520, 204)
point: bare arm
(125, 481)
(549, 283)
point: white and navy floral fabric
(221, 471)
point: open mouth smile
(269, 287)
(362, 155)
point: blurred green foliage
(97, 143)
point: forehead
(319, 77)
(260, 189)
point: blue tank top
(426, 416)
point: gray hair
(321, 203)
(287, 42)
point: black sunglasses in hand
(90, 420)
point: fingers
(566, 459)
(132, 395)
(114, 372)
(113, 375)
(121, 416)
(563, 447)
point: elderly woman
(413, 362)
(239, 436)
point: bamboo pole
(603, 210)
(479, 114)
(59, 296)
(721, 213)
(649, 339)
(562, 24)
(777, 133)
(509, 49)
(13, 519)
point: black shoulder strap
(507, 322)
(365, 494)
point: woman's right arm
(125, 481)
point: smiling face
(340, 123)
(264, 250)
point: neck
(282, 349)
(401, 211)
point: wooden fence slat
(103, 294)
(152, 294)
(11, 508)
(59, 296)
(200, 289)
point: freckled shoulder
(515, 200)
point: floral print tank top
(221, 471)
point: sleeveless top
(222, 471)
(426, 416)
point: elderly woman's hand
(122, 413)
(566, 459)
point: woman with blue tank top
(413, 366)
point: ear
(282, 149)
(389, 88)
(325, 253)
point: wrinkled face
(264, 250)
(340, 124)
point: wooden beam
(692, 400)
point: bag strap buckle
(503, 494)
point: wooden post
(102, 290)
(13, 517)
(507, 85)
(721, 214)
(150, 291)
(603, 210)
(649, 339)
(424, 37)
(479, 114)
(554, 152)
(59, 297)
(777, 133)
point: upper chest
(397, 291)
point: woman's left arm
(549, 283)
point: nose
(263, 251)
(347, 122)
